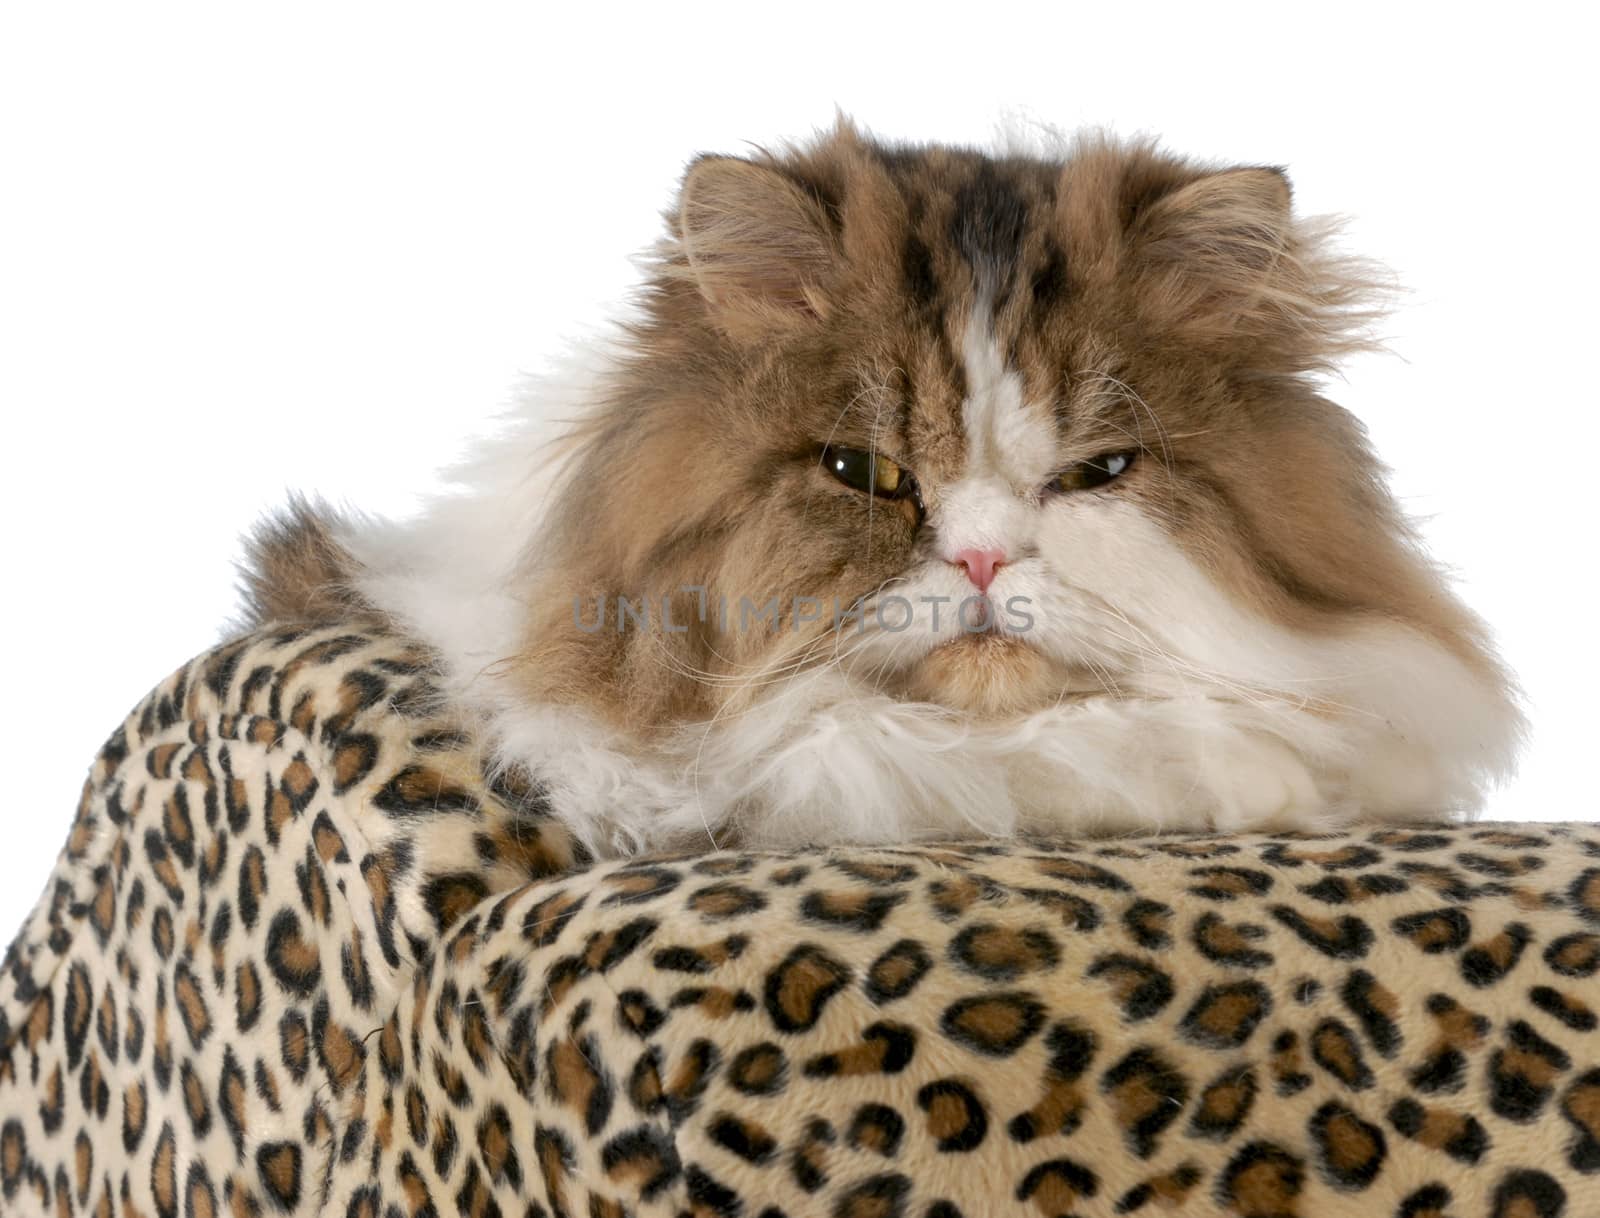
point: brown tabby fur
(818, 294)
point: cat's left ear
(1223, 260)
(757, 245)
(1223, 233)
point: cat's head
(1062, 405)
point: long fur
(1246, 634)
(295, 568)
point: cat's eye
(1096, 471)
(870, 472)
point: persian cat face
(931, 490)
(1043, 431)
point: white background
(245, 249)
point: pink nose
(981, 565)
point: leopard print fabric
(302, 956)
(264, 851)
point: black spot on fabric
(1004, 953)
(1263, 1179)
(1076, 913)
(646, 1154)
(1463, 1137)
(1345, 938)
(710, 1196)
(1142, 990)
(1148, 1094)
(1584, 895)
(1366, 1000)
(449, 896)
(1522, 1073)
(604, 951)
(1183, 1178)
(1077, 871)
(1335, 1048)
(806, 1163)
(759, 1070)
(1343, 890)
(543, 923)
(872, 872)
(742, 1138)
(996, 1025)
(1072, 1047)
(1568, 1010)
(1149, 922)
(1427, 1202)
(444, 1148)
(1224, 1104)
(278, 1166)
(1445, 881)
(575, 1076)
(719, 902)
(801, 985)
(862, 912)
(875, 1197)
(1345, 858)
(75, 1012)
(1486, 963)
(888, 1049)
(1580, 1105)
(877, 1128)
(418, 791)
(1411, 842)
(1435, 930)
(897, 971)
(1499, 868)
(353, 758)
(956, 1117)
(1224, 943)
(1286, 1072)
(1574, 955)
(1229, 883)
(1528, 1193)
(291, 957)
(1224, 1016)
(637, 885)
(1060, 1176)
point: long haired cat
(931, 493)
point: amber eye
(870, 472)
(1096, 471)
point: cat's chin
(988, 675)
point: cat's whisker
(1271, 700)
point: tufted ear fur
(1222, 260)
(757, 245)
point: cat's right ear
(757, 245)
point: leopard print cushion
(302, 954)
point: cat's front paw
(1260, 783)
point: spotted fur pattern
(263, 851)
(302, 955)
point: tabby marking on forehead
(1006, 437)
